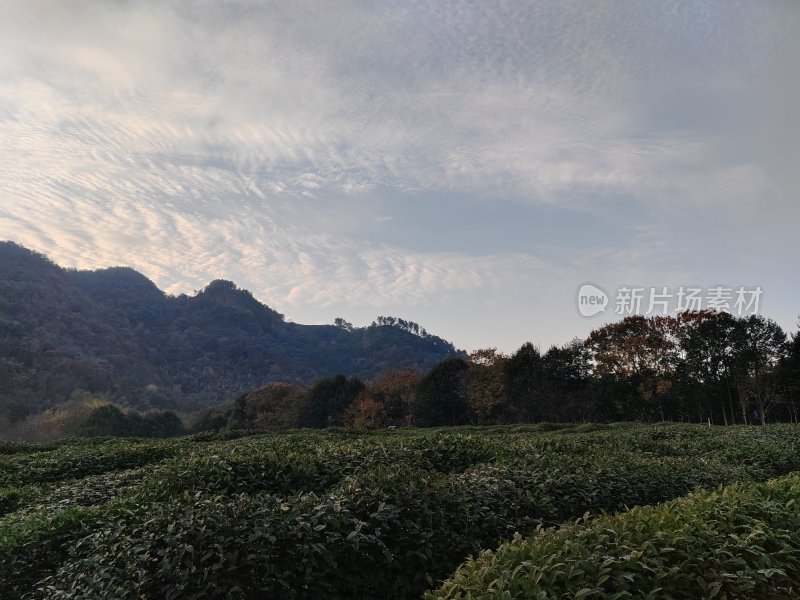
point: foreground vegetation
(741, 541)
(337, 514)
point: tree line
(707, 367)
(704, 366)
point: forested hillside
(114, 334)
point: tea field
(392, 514)
(741, 541)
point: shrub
(742, 541)
(334, 514)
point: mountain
(113, 332)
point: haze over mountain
(113, 332)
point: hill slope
(113, 331)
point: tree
(788, 378)
(275, 406)
(341, 323)
(565, 373)
(395, 391)
(731, 363)
(212, 419)
(364, 413)
(709, 342)
(640, 353)
(107, 420)
(442, 395)
(327, 400)
(486, 390)
(762, 346)
(161, 424)
(523, 378)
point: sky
(465, 165)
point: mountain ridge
(114, 333)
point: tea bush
(742, 541)
(73, 460)
(334, 514)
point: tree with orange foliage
(487, 401)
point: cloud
(278, 144)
